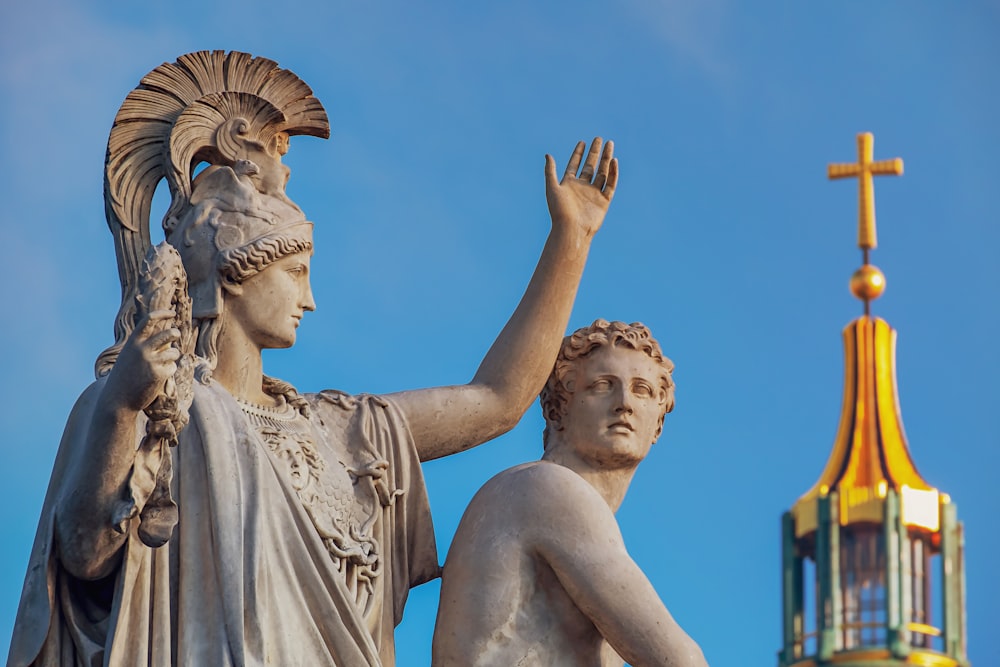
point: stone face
(201, 512)
(538, 573)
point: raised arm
(446, 420)
(576, 534)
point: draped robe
(245, 579)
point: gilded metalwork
(930, 659)
(866, 550)
(868, 283)
(864, 169)
(870, 453)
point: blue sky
(724, 237)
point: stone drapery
(246, 578)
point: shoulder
(90, 396)
(536, 477)
(544, 494)
(365, 424)
(85, 406)
(341, 403)
(530, 480)
(333, 398)
(544, 479)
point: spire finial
(868, 282)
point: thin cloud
(695, 31)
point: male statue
(538, 574)
(201, 512)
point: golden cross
(864, 169)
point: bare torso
(501, 602)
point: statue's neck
(240, 369)
(611, 481)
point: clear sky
(725, 238)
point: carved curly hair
(238, 264)
(556, 395)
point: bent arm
(581, 542)
(108, 419)
(446, 420)
(100, 464)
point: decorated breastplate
(324, 487)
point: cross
(864, 169)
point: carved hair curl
(556, 394)
(238, 264)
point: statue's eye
(601, 385)
(643, 389)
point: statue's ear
(232, 287)
(569, 382)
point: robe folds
(245, 579)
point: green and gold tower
(872, 555)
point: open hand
(580, 201)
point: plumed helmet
(231, 110)
(227, 212)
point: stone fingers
(587, 173)
(574, 161)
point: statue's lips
(621, 427)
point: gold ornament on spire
(870, 453)
(868, 282)
(864, 169)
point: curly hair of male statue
(556, 394)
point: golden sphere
(868, 283)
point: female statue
(201, 512)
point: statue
(201, 512)
(537, 574)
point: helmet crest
(208, 106)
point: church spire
(862, 543)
